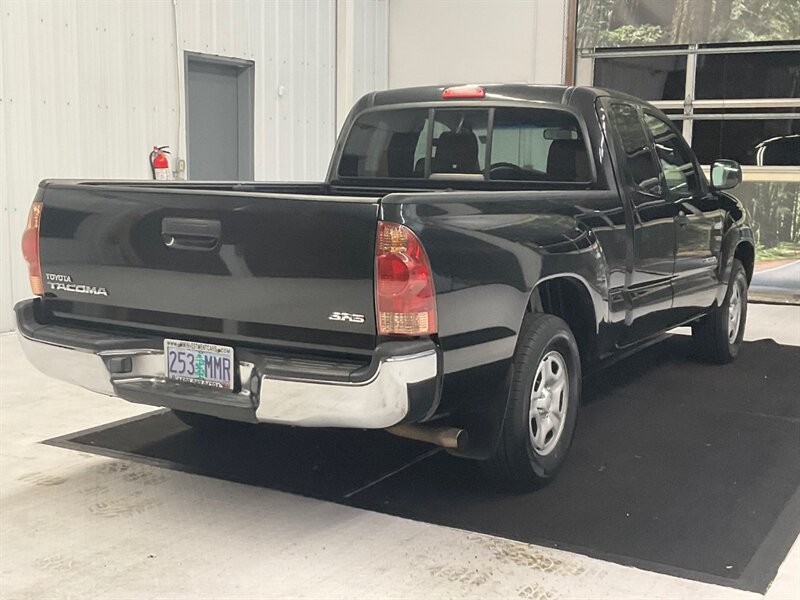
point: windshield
(522, 144)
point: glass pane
(382, 144)
(640, 167)
(617, 23)
(675, 117)
(774, 209)
(648, 77)
(767, 142)
(538, 145)
(778, 111)
(676, 163)
(750, 75)
(459, 141)
(422, 143)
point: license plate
(203, 364)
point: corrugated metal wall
(362, 51)
(452, 41)
(370, 47)
(88, 87)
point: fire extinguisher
(159, 163)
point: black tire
(712, 336)
(517, 463)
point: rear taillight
(404, 297)
(30, 248)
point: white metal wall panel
(87, 87)
(362, 51)
(452, 41)
(293, 46)
(6, 295)
(371, 46)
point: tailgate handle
(190, 234)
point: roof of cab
(507, 92)
(556, 94)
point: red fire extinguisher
(159, 163)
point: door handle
(190, 234)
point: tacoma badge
(64, 283)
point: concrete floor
(779, 283)
(77, 525)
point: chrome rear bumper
(397, 387)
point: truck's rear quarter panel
(488, 252)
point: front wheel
(717, 337)
(542, 407)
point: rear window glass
(383, 143)
(525, 144)
(459, 141)
(538, 145)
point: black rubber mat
(677, 467)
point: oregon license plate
(196, 362)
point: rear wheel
(542, 407)
(717, 337)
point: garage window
(738, 100)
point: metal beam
(614, 53)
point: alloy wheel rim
(734, 312)
(549, 401)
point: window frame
(702, 183)
(619, 149)
(426, 182)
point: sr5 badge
(346, 317)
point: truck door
(698, 221)
(648, 290)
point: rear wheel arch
(746, 254)
(569, 298)
(719, 334)
(537, 426)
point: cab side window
(639, 167)
(679, 171)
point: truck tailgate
(247, 266)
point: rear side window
(524, 144)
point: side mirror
(725, 174)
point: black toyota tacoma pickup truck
(474, 251)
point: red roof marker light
(464, 91)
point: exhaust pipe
(446, 437)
